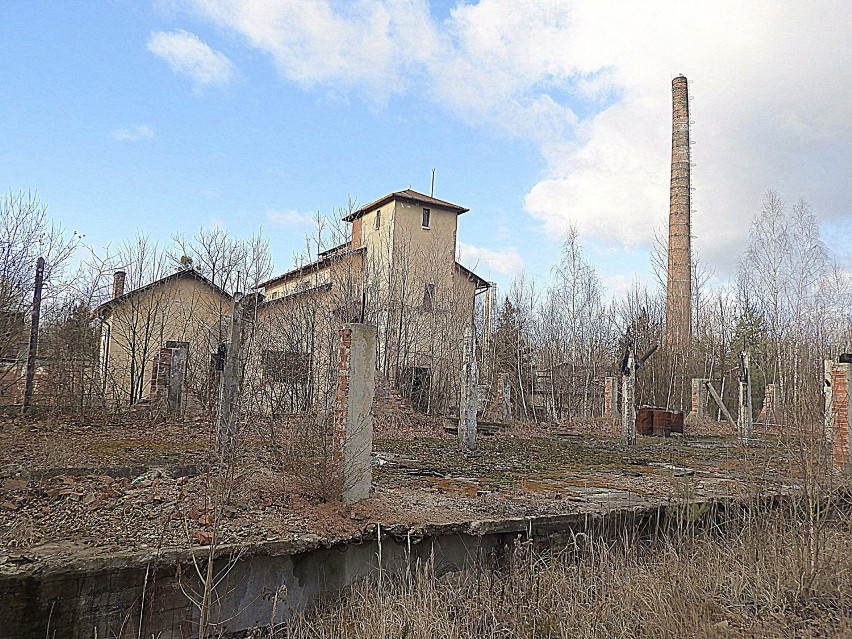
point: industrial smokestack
(679, 286)
(118, 284)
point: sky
(162, 116)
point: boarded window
(287, 367)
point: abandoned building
(179, 319)
(397, 272)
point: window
(428, 297)
(378, 221)
(426, 213)
(289, 367)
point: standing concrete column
(226, 428)
(628, 401)
(505, 395)
(745, 422)
(29, 381)
(679, 284)
(468, 396)
(611, 397)
(353, 416)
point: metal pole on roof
(432, 190)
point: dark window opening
(286, 367)
(416, 384)
(378, 221)
(428, 297)
(426, 214)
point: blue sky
(161, 116)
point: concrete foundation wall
(263, 584)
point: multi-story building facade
(397, 271)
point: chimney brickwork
(679, 284)
(118, 283)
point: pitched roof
(406, 196)
(473, 277)
(326, 257)
(174, 276)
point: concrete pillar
(838, 388)
(611, 397)
(628, 401)
(744, 423)
(177, 372)
(698, 411)
(468, 400)
(353, 418)
(505, 396)
(226, 426)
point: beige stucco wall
(182, 310)
(398, 260)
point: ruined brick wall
(611, 385)
(767, 411)
(838, 381)
(679, 285)
(161, 370)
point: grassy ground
(770, 576)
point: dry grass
(751, 580)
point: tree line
(552, 340)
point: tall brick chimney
(118, 284)
(679, 286)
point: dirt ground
(108, 483)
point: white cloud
(289, 218)
(506, 262)
(141, 132)
(588, 82)
(188, 55)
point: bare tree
(26, 233)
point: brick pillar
(353, 418)
(611, 397)
(161, 369)
(770, 400)
(698, 411)
(838, 388)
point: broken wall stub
(168, 373)
(838, 388)
(770, 402)
(628, 401)
(353, 416)
(611, 397)
(468, 402)
(698, 410)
